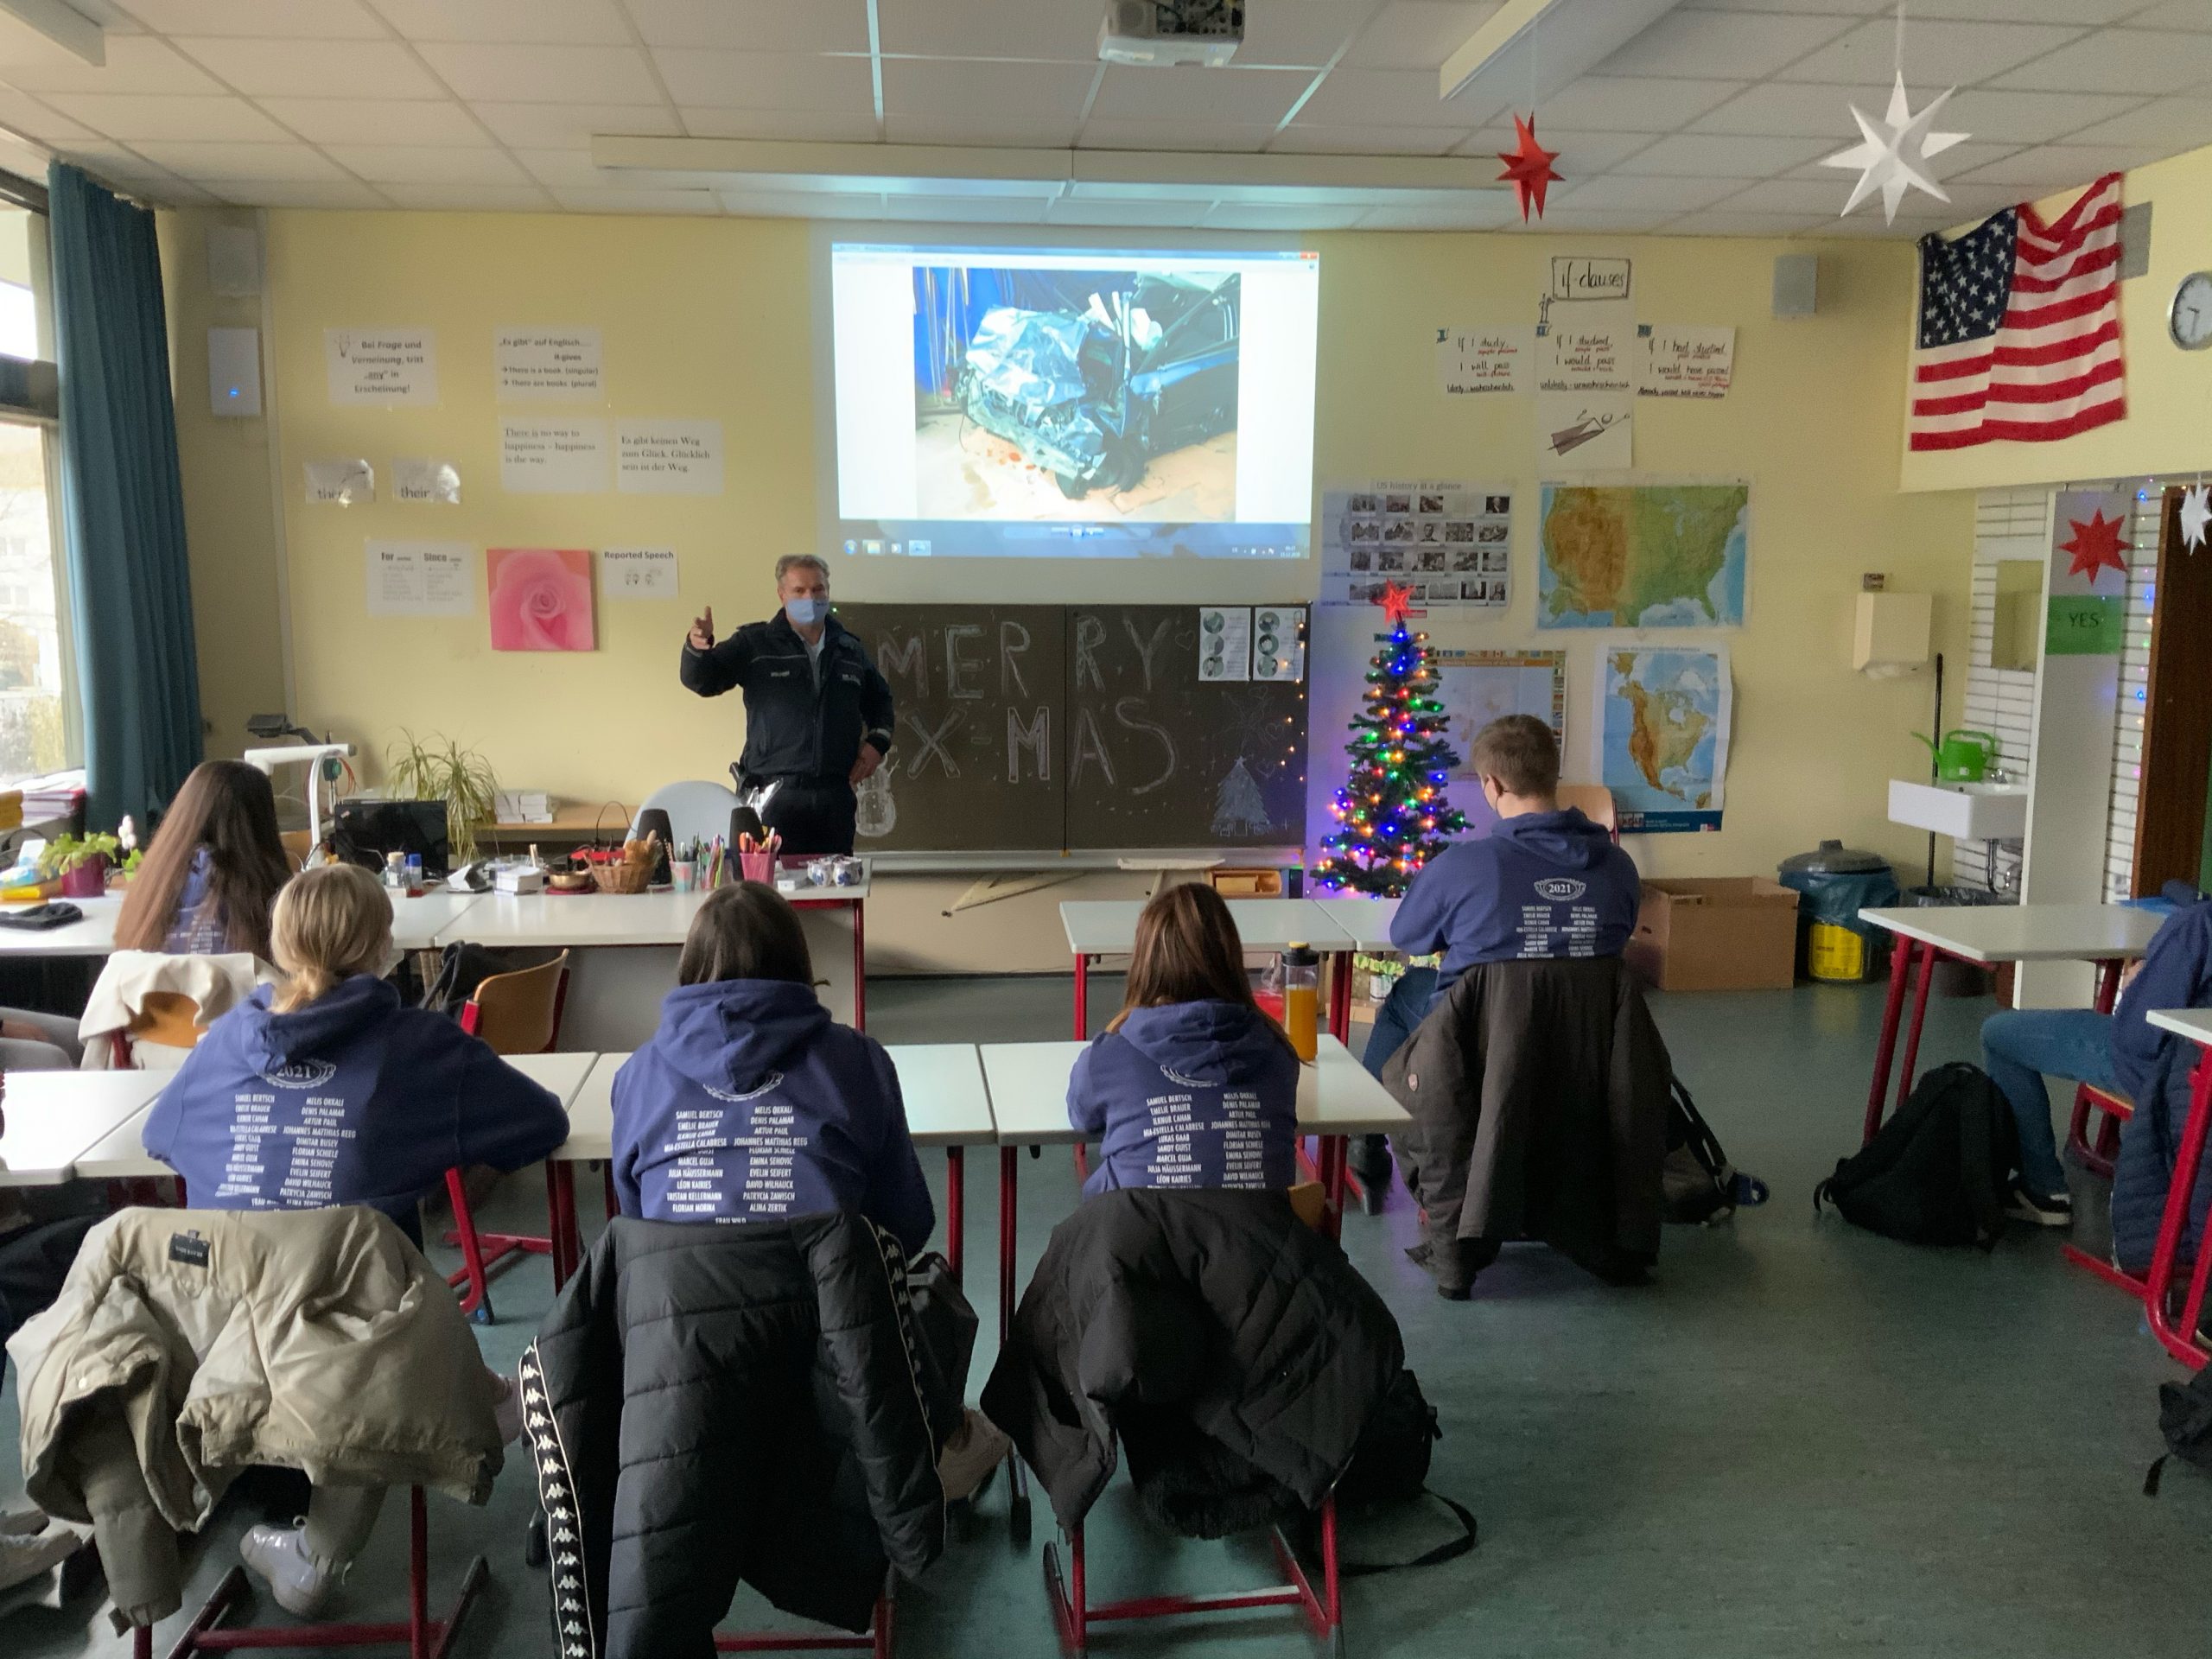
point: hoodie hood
(329, 1023)
(1564, 838)
(1207, 1042)
(731, 1036)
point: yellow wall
(2169, 424)
(712, 317)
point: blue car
(1092, 396)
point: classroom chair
(425, 1637)
(1597, 803)
(696, 809)
(515, 1013)
(2113, 1109)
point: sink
(1963, 811)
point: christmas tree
(1392, 809)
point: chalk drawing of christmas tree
(1238, 808)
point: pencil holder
(758, 867)
(683, 875)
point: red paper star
(1397, 598)
(1528, 167)
(2095, 546)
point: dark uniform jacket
(1539, 1095)
(707, 1405)
(794, 726)
(1232, 1352)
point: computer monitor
(365, 829)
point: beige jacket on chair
(215, 984)
(189, 1345)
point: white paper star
(2195, 516)
(1894, 154)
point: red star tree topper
(1397, 598)
(1528, 167)
(2095, 546)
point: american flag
(2019, 326)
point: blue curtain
(122, 502)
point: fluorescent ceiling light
(29, 28)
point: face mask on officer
(805, 610)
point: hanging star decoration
(1893, 154)
(2195, 516)
(2095, 546)
(1528, 167)
(1396, 598)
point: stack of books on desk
(53, 798)
(523, 806)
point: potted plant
(81, 862)
(437, 768)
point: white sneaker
(25, 1556)
(976, 1447)
(301, 1585)
(2055, 1210)
(506, 1409)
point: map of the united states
(1642, 556)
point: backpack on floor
(2185, 1419)
(1938, 1171)
(1698, 1182)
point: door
(2169, 827)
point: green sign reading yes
(2085, 625)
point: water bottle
(1302, 998)
(415, 882)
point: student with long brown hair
(210, 877)
(1192, 1084)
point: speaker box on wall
(233, 261)
(1797, 284)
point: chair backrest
(519, 1013)
(1597, 803)
(696, 809)
(165, 1021)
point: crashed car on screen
(1091, 395)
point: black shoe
(2056, 1211)
(1456, 1293)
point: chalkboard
(1043, 728)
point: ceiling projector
(1152, 32)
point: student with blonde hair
(1191, 1085)
(324, 1090)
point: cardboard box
(1716, 933)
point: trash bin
(1954, 978)
(1833, 883)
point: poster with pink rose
(541, 599)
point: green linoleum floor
(1801, 1439)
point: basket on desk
(620, 866)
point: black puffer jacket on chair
(708, 1405)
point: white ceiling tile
(1612, 192)
(1799, 196)
(984, 128)
(37, 119)
(1307, 33)
(2170, 124)
(376, 120)
(812, 126)
(1863, 226)
(110, 160)
(1228, 136)
(1937, 53)
(1230, 94)
(776, 204)
(946, 87)
(959, 28)
(1253, 216)
(564, 168)
(310, 20)
(571, 126)
(2048, 169)
(426, 163)
(471, 198)
(766, 80)
(783, 26)
(340, 69)
(2042, 11)
(158, 116)
(1726, 220)
(2180, 13)
(2120, 60)
(1167, 215)
(1580, 154)
(1616, 220)
(1418, 33)
(1478, 216)
(544, 74)
(969, 210)
(1703, 154)
(1695, 42)
(1310, 138)
(1841, 8)
(614, 200)
(579, 22)
(1631, 103)
(1799, 110)
(136, 63)
(1354, 98)
(234, 162)
(295, 193)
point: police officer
(817, 713)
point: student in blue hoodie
(1191, 1085)
(327, 1091)
(1544, 883)
(749, 1105)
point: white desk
(1099, 927)
(55, 1116)
(416, 921)
(1366, 921)
(2196, 1024)
(93, 937)
(2107, 935)
(624, 946)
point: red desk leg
(1886, 1046)
(1929, 954)
(1017, 1480)
(860, 967)
(1082, 997)
(955, 1207)
(2107, 985)
(2181, 1339)
(561, 1206)
(1340, 998)
(1334, 1157)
